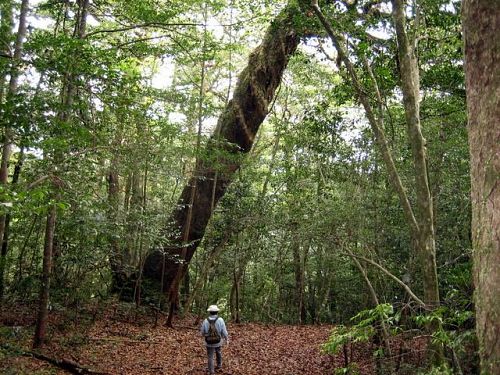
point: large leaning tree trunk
(481, 22)
(234, 135)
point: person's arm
(203, 328)
(224, 332)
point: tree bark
(410, 79)
(234, 296)
(7, 135)
(299, 260)
(237, 128)
(116, 257)
(67, 95)
(481, 22)
(425, 239)
(375, 301)
(6, 229)
(375, 122)
(207, 265)
(183, 269)
(6, 26)
(421, 224)
(45, 286)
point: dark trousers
(210, 354)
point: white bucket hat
(213, 308)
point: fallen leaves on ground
(128, 343)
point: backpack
(213, 336)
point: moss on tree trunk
(235, 134)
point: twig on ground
(66, 364)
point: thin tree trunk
(67, 95)
(6, 232)
(116, 257)
(8, 135)
(20, 258)
(425, 242)
(410, 78)
(6, 26)
(373, 295)
(438, 175)
(183, 268)
(133, 218)
(136, 208)
(237, 126)
(374, 121)
(126, 196)
(299, 280)
(212, 257)
(234, 297)
(421, 226)
(481, 22)
(45, 286)
(142, 241)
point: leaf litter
(114, 342)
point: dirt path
(117, 344)
(253, 349)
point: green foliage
(362, 331)
(453, 330)
(342, 335)
(351, 369)
(313, 187)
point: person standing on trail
(214, 331)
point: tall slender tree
(420, 220)
(6, 25)
(64, 115)
(8, 132)
(410, 84)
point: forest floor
(120, 340)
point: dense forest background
(354, 195)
